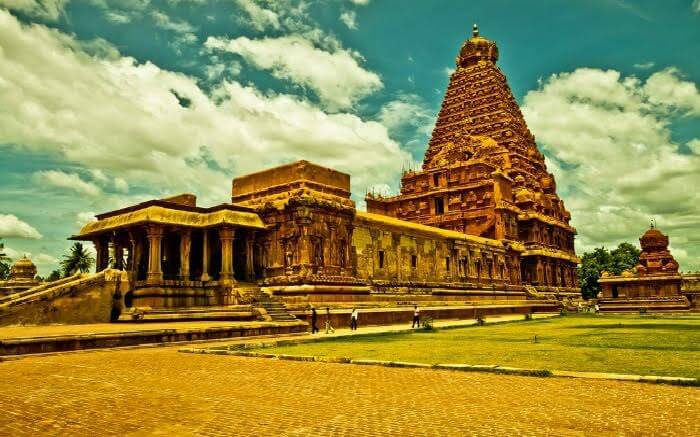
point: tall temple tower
(483, 174)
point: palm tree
(5, 263)
(78, 260)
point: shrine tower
(483, 174)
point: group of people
(329, 327)
(353, 319)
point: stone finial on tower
(476, 49)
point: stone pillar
(185, 246)
(155, 239)
(118, 255)
(332, 244)
(249, 267)
(205, 256)
(130, 261)
(138, 253)
(226, 235)
(102, 249)
(304, 245)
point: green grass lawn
(642, 345)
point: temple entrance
(196, 255)
(239, 257)
(171, 255)
(615, 293)
(246, 269)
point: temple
(483, 175)
(654, 284)
(480, 229)
(22, 277)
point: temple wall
(398, 252)
(384, 253)
(636, 287)
(86, 300)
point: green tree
(5, 263)
(55, 275)
(77, 260)
(624, 257)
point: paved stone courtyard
(158, 391)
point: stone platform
(651, 304)
(21, 340)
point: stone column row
(154, 235)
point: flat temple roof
(167, 215)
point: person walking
(353, 320)
(314, 319)
(329, 327)
(416, 317)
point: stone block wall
(87, 300)
(387, 249)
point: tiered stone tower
(483, 174)
(655, 258)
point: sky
(106, 103)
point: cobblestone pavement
(162, 392)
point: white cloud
(694, 145)
(43, 259)
(667, 88)
(122, 117)
(121, 185)
(260, 18)
(696, 6)
(48, 10)
(349, 18)
(69, 181)
(117, 17)
(11, 226)
(82, 218)
(336, 77)
(615, 161)
(408, 110)
(644, 65)
(98, 175)
(183, 29)
(366, 2)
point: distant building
(22, 277)
(654, 284)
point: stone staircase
(275, 309)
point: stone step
(235, 312)
(193, 310)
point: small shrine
(654, 283)
(22, 277)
